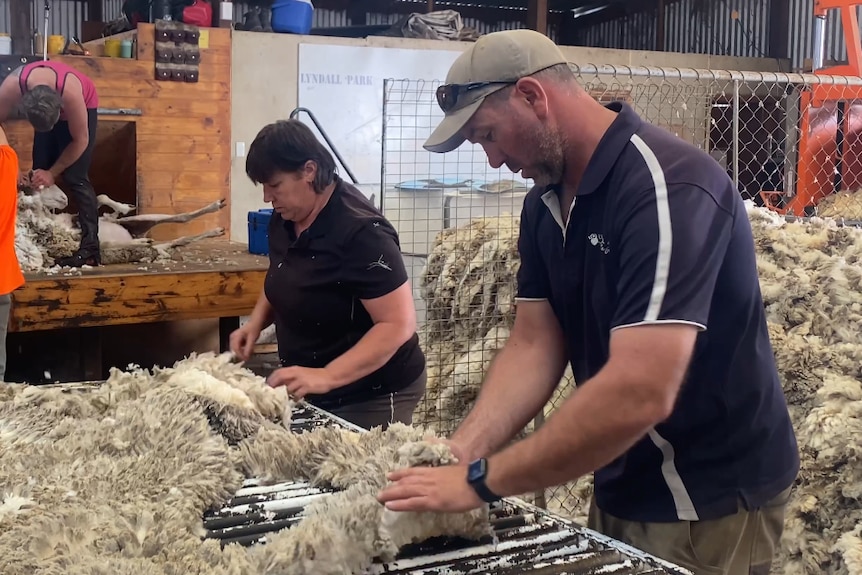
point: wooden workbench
(206, 280)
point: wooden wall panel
(182, 139)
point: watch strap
(476, 475)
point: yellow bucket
(56, 43)
(112, 48)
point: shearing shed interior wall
(811, 280)
(261, 95)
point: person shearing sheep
(336, 288)
(637, 267)
(61, 103)
(11, 277)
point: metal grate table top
(526, 539)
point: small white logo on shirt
(380, 263)
(599, 241)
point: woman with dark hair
(337, 289)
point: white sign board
(343, 86)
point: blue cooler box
(292, 16)
(258, 235)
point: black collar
(610, 147)
(323, 221)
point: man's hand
(42, 178)
(301, 381)
(24, 179)
(439, 489)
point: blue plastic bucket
(292, 16)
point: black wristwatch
(476, 474)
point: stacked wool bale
(846, 205)
(469, 286)
(811, 278)
(116, 479)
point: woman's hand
(242, 341)
(301, 381)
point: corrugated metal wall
(335, 18)
(691, 26)
(802, 25)
(64, 16)
(722, 27)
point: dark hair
(41, 105)
(285, 146)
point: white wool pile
(43, 234)
(41, 237)
(811, 279)
(846, 204)
(469, 285)
(117, 478)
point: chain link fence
(791, 143)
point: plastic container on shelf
(5, 44)
(56, 43)
(292, 16)
(113, 48)
(126, 49)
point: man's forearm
(518, 384)
(69, 156)
(594, 426)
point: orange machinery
(830, 122)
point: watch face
(476, 471)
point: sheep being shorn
(811, 279)
(43, 235)
(116, 478)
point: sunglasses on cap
(448, 94)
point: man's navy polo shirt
(658, 234)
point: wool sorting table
(526, 539)
(206, 280)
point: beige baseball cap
(493, 62)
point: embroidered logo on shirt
(599, 241)
(380, 263)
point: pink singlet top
(91, 99)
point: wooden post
(537, 15)
(779, 15)
(94, 11)
(21, 28)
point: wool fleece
(115, 479)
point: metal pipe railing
(329, 143)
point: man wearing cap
(637, 267)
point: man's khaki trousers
(740, 544)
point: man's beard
(548, 147)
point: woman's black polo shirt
(315, 283)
